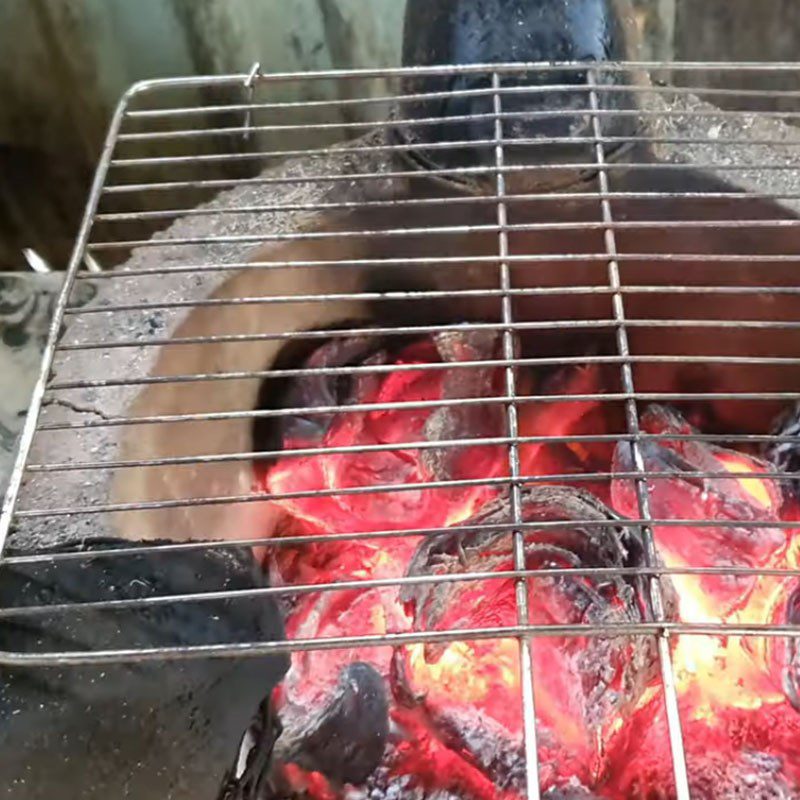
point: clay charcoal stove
(447, 450)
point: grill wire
(151, 130)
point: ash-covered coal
(469, 691)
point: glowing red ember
(470, 691)
(684, 484)
(444, 720)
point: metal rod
(217, 416)
(368, 584)
(518, 537)
(450, 230)
(34, 408)
(324, 450)
(642, 492)
(579, 166)
(312, 127)
(529, 89)
(355, 536)
(749, 258)
(391, 639)
(200, 377)
(148, 86)
(438, 202)
(405, 147)
(245, 499)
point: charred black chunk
(139, 728)
(346, 739)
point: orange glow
(468, 671)
(716, 672)
(757, 488)
(477, 684)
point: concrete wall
(741, 30)
(65, 62)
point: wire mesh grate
(636, 231)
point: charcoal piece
(322, 390)
(684, 483)
(346, 739)
(463, 421)
(599, 679)
(786, 455)
(146, 729)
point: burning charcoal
(345, 740)
(148, 729)
(315, 390)
(783, 653)
(385, 459)
(685, 495)
(469, 690)
(466, 421)
(569, 417)
(735, 754)
(786, 455)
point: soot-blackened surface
(147, 730)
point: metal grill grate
(715, 210)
